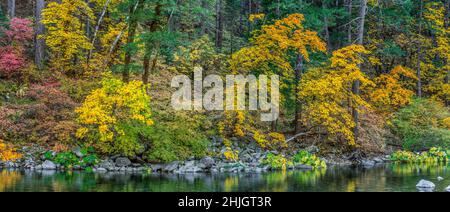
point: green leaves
(421, 125)
(69, 159)
(305, 158)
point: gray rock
(313, 149)
(77, 152)
(48, 165)
(38, 167)
(447, 189)
(190, 167)
(156, 167)
(122, 162)
(10, 164)
(108, 165)
(426, 186)
(208, 162)
(378, 160)
(368, 163)
(171, 167)
(100, 169)
(440, 178)
(193, 169)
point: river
(387, 178)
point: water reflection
(392, 177)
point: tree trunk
(326, 29)
(419, 55)
(11, 8)
(349, 29)
(298, 104)
(356, 84)
(219, 25)
(97, 27)
(39, 55)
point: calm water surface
(391, 177)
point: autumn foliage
(12, 58)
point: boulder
(171, 167)
(368, 163)
(426, 186)
(447, 189)
(122, 162)
(378, 160)
(208, 162)
(101, 170)
(108, 165)
(77, 152)
(440, 178)
(48, 165)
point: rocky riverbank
(250, 160)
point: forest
(358, 79)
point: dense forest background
(358, 76)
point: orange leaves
(7, 153)
(390, 92)
(271, 44)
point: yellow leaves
(116, 102)
(447, 123)
(271, 46)
(348, 57)
(231, 155)
(272, 141)
(435, 13)
(255, 17)
(390, 92)
(8, 153)
(327, 94)
(65, 35)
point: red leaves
(20, 30)
(10, 63)
(12, 58)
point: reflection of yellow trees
(8, 179)
(277, 181)
(311, 177)
(230, 183)
(351, 186)
(413, 169)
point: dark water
(391, 177)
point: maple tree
(391, 92)
(327, 94)
(114, 115)
(65, 36)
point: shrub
(44, 115)
(278, 162)
(272, 141)
(116, 117)
(177, 136)
(422, 125)
(231, 155)
(12, 59)
(434, 156)
(68, 159)
(7, 153)
(305, 158)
